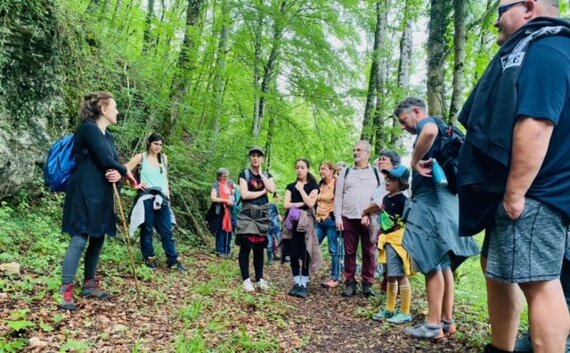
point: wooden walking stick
(126, 233)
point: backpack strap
(376, 174)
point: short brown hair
(92, 103)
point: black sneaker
(303, 292)
(294, 292)
(179, 267)
(150, 262)
(367, 290)
(350, 290)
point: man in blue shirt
(528, 82)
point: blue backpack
(60, 164)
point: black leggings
(298, 269)
(258, 251)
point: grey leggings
(73, 255)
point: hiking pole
(126, 232)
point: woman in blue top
(154, 181)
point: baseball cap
(399, 172)
(256, 149)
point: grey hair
(393, 155)
(365, 143)
(222, 171)
(409, 103)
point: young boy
(392, 253)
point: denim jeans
(328, 229)
(160, 220)
(223, 242)
(273, 238)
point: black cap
(256, 149)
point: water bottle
(438, 174)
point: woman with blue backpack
(88, 213)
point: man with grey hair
(431, 236)
(513, 173)
(354, 187)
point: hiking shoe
(91, 289)
(400, 318)
(248, 286)
(367, 290)
(449, 329)
(67, 293)
(294, 292)
(150, 262)
(489, 348)
(262, 285)
(425, 331)
(178, 266)
(382, 315)
(303, 292)
(330, 284)
(350, 290)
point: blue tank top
(154, 176)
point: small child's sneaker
(448, 327)
(382, 315)
(400, 318)
(263, 285)
(248, 286)
(425, 331)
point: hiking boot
(382, 315)
(425, 331)
(449, 329)
(248, 286)
(350, 290)
(178, 266)
(67, 293)
(294, 292)
(262, 285)
(150, 262)
(367, 290)
(400, 318)
(91, 289)
(303, 292)
(330, 284)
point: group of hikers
(510, 182)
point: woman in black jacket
(88, 212)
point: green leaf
(20, 325)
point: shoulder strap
(247, 174)
(376, 175)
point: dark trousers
(354, 231)
(258, 251)
(161, 220)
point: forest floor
(207, 310)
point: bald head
(513, 14)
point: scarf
(224, 194)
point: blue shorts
(528, 249)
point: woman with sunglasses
(154, 199)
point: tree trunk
(148, 23)
(459, 42)
(269, 72)
(380, 129)
(367, 123)
(405, 62)
(182, 77)
(221, 67)
(437, 54)
(258, 31)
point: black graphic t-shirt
(255, 184)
